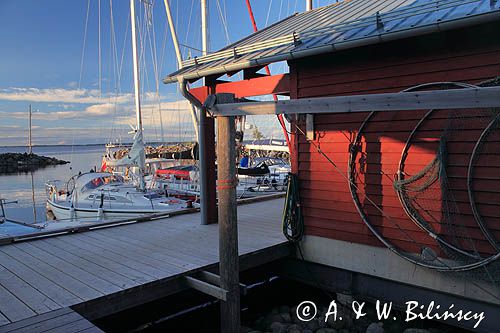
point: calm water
(18, 186)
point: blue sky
(41, 64)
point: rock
(277, 327)
(321, 321)
(286, 318)
(362, 323)
(268, 320)
(294, 328)
(245, 329)
(295, 319)
(326, 330)
(415, 330)
(437, 330)
(276, 317)
(307, 331)
(312, 325)
(344, 299)
(260, 323)
(375, 328)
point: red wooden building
(384, 193)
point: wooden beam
(267, 85)
(228, 229)
(435, 99)
(206, 288)
(215, 279)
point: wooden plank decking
(85, 269)
(64, 320)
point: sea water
(18, 186)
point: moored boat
(102, 195)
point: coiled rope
(293, 221)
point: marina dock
(104, 271)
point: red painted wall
(471, 55)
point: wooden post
(209, 156)
(228, 229)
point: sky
(49, 58)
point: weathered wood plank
(124, 264)
(436, 99)
(55, 292)
(89, 266)
(192, 243)
(37, 301)
(57, 276)
(12, 307)
(91, 280)
(50, 324)
(74, 327)
(162, 250)
(33, 320)
(206, 288)
(92, 330)
(117, 267)
(3, 320)
(136, 258)
(156, 243)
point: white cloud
(102, 109)
(61, 95)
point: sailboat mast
(138, 134)
(136, 68)
(204, 29)
(194, 116)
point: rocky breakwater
(22, 162)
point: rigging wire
(223, 21)
(268, 13)
(99, 47)
(84, 44)
(81, 74)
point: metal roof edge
(382, 37)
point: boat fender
(72, 213)
(100, 214)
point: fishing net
(439, 197)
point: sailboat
(103, 195)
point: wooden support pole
(228, 229)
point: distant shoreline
(94, 144)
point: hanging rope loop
(293, 221)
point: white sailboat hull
(63, 212)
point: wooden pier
(104, 271)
